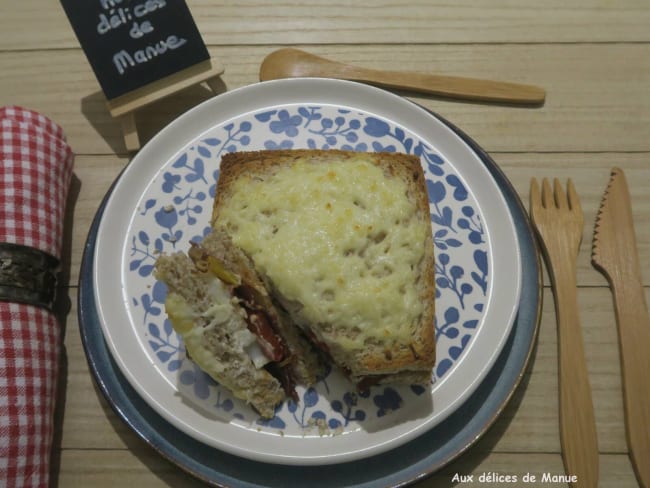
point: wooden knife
(614, 253)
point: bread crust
(410, 360)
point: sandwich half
(343, 242)
(230, 326)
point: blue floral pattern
(176, 210)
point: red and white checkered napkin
(35, 177)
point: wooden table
(593, 58)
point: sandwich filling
(256, 314)
(267, 347)
(228, 330)
(223, 314)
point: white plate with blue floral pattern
(163, 199)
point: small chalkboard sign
(132, 43)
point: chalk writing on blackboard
(130, 43)
(123, 59)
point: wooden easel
(125, 106)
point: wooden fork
(559, 222)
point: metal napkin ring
(27, 275)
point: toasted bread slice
(343, 241)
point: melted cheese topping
(192, 327)
(341, 238)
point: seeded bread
(343, 241)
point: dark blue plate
(403, 465)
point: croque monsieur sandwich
(336, 247)
(343, 241)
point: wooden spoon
(292, 63)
